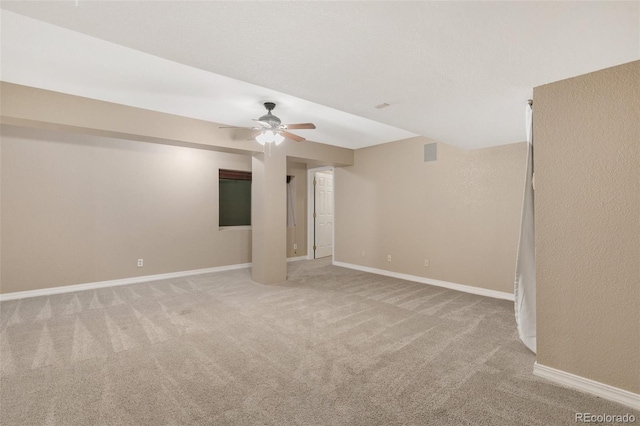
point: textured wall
(78, 209)
(269, 217)
(462, 212)
(587, 168)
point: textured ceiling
(459, 72)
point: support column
(269, 217)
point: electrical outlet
(364, 254)
(295, 247)
(426, 263)
(388, 258)
(140, 263)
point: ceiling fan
(271, 128)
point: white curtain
(525, 283)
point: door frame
(310, 221)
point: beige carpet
(332, 346)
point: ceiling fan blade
(300, 126)
(262, 123)
(291, 136)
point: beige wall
(79, 209)
(587, 168)
(48, 111)
(462, 212)
(0, 214)
(269, 218)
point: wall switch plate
(426, 263)
(140, 263)
(388, 258)
(295, 247)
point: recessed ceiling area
(457, 72)
(53, 58)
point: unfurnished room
(319, 213)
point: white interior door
(323, 214)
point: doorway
(321, 212)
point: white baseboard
(592, 387)
(453, 286)
(112, 283)
(146, 278)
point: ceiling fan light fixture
(278, 138)
(261, 139)
(269, 136)
(273, 131)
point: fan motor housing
(270, 118)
